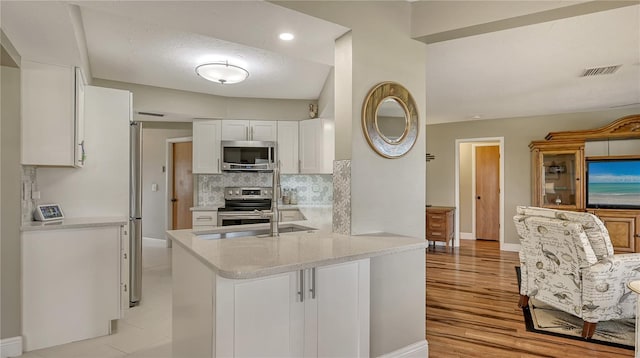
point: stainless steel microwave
(248, 155)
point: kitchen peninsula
(305, 293)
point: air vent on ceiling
(595, 71)
(151, 114)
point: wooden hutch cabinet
(559, 176)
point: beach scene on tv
(613, 183)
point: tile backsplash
(311, 189)
(29, 180)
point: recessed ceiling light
(286, 36)
(477, 116)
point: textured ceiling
(524, 71)
(536, 69)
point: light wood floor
(472, 309)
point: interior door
(182, 198)
(488, 192)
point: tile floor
(145, 331)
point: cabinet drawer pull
(435, 225)
(436, 233)
(436, 217)
(204, 218)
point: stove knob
(237, 192)
(230, 192)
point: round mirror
(390, 120)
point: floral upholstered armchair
(567, 261)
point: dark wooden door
(488, 192)
(182, 198)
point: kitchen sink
(256, 232)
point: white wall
(10, 215)
(184, 105)
(466, 189)
(101, 187)
(154, 152)
(386, 193)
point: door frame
(478, 141)
(168, 208)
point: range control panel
(242, 193)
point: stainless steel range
(240, 205)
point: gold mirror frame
(378, 141)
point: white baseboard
(11, 347)
(415, 350)
(510, 247)
(466, 236)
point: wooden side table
(440, 224)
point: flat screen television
(613, 183)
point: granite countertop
(250, 257)
(74, 223)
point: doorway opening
(479, 189)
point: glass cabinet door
(560, 185)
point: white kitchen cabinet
(204, 220)
(318, 312)
(288, 147)
(52, 115)
(206, 146)
(234, 129)
(317, 146)
(72, 281)
(260, 317)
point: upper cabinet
(206, 146)
(558, 174)
(288, 147)
(317, 151)
(249, 130)
(52, 115)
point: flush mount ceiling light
(286, 36)
(222, 72)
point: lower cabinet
(623, 227)
(317, 312)
(72, 284)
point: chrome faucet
(274, 213)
